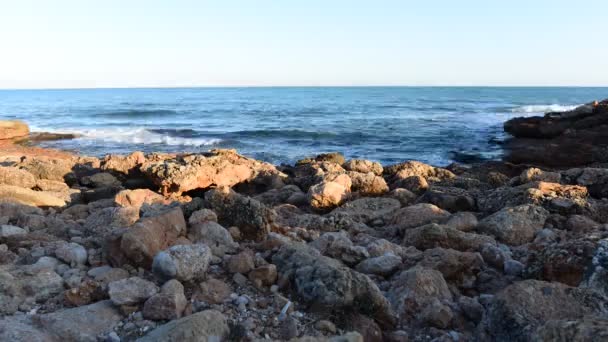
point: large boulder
(206, 325)
(84, 323)
(515, 226)
(130, 291)
(182, 262)
(363, 166)
(217, 168)
(572, 138)
(14, 194)
(138, 197)
(16, 177)
(10, 129)
(253, 218)
(325, 282)
(516, 312)
(369, 209)
(151, 235)
(418, 215)
(367, 184)
(330, 193)
(415, 289)
(123, 164)
(213, 235)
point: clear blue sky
(126, 43)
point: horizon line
(302, 86)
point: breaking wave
(543, 108)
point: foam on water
(543, 108)
(136, 136)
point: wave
(144, 136)
(543, 108)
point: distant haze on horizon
(182, 43)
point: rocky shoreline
(219, 247)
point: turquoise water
(387, 124)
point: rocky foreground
(219, 247)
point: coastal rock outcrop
(572, 138)
(13, 129)
(217, 168)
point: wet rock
(130, 291)
(213, 235)
(206, 325)
(151, 235)
(14, 194)
(168, 304)
(516, 312)
(515, 226)
(183, 262)
(16, 177)
(254, 219)
(418, 215)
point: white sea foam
(136, 136)
(543, 108)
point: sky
(172, 43)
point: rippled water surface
(387, 124)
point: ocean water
(281, 125)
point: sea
(436, 125)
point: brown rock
(418, 215)
(10, 129)
(138, 197)
(364, 166)
(213, 291)
(168, 304)
(123, 164)
(265, 275)
(151, 235)
(253, 218)
(415, 184)
(219, 168)
(434, 235)
(16, 177)
(241, 263)
(14, 194)
(367, 184)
